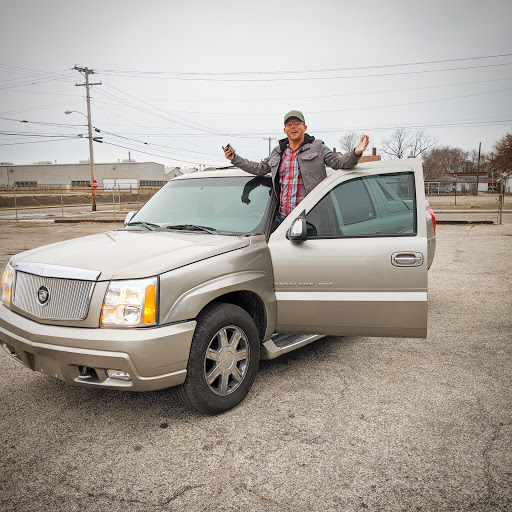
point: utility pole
(478, 167)
(269, 143)
(87, 72)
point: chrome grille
(68, 298)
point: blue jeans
(279, 218)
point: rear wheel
(223, 361)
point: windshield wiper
(193, 227)
(147, 225)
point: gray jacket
(313, 156)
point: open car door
(351, 259)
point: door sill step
(281, 344)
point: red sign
(94, 184)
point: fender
(186, 291)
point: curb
(465, 222)
(78, 221)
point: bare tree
(405, 143)
(502, 156)
(421, 141)
(439, 162)
(472, 164)
(472, 161)
(398, 144)
(348, 141)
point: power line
(321, 70)
(260, 134)
(290, 98)
(167, 135)
(44, 107)
(28, 77)
(373, 75)
(199, 126)
(346, 109)
(358, 93)
(32, 82)
(156, 145)
(188, 124)
(28, 134)
(43, 123)
(412, 102)
(152, 154)
(98, 104)
(33, 142)
(159, 116)
(41, 92)
(29, 71)
(448, 124)
(256, 135)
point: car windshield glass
(235, 204)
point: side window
(354, 202)
(380, 205)
(322, 220)
(396, 192)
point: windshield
(235, 204)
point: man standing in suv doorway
(298, 163)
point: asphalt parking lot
(344, 424)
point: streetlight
(75, 112)
(91, 153)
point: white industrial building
(123, 175)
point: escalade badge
(43, 295)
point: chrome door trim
(58, 271)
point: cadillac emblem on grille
(53, 292)
(43, 295)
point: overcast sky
(179, 79)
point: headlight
(130, 303)
(7, 278)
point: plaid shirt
(292, 188)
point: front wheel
(223, 360)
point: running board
(281, 344)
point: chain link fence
(454, 201)
(451, 201)
(113, 200)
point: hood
(133, 254)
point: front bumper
(154, 358)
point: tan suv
(200, 283)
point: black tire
(223, 361)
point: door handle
(407, 259)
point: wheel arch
(250, 291)
(250, 302)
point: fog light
(118, 374)
(87, 373)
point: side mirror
(129, 217)
(298, 232)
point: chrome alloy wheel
(226, 360)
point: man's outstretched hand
(362, 145)
(228, 153)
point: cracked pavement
(344, 424)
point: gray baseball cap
(295, 113)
